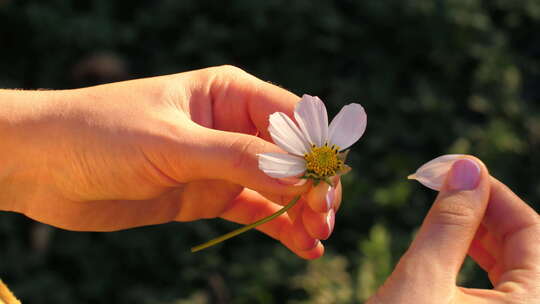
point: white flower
(313, 146)
(433, 173)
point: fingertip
(288, 240)
(330, 222)
(318, 225)
(466, 173)
(338, 196)
(301, 239)
(477, 161)
(320, 198)
(312, 254)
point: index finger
(242, 102)
(517, 225)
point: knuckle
(228, 82)
(220, 75)
(245, 152)
(455, 212)
(230, 67)
(230, 70)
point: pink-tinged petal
(287, 135)
(281, 165)
(348, 126)
(433, 173)
(310, 113)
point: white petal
(433, 173)
(348, 126)
(281, 165)
(287, 135)
(310, 113)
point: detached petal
(280, 165)
(310, 113)
(433, 173)
(348, 126)
(287, 135)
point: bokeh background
(436, 77)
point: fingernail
(331, 220)
(329, 199)
(464, 175)
(294, 181)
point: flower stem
(246, 227)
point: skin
(490, 224)
(183, 147)
(179, 147)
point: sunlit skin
(183, 147)
(179, 147)
(490, 224)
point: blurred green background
(435, 77)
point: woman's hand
(172, 148)
(477, 215)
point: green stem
(246, 227)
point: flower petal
(433, 173)
(310, 113)
(348, 126)
(281, 165)
(287, 135)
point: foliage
(435, 76)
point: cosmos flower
(315, 149)
(433, 173)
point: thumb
(449, 228)
(233, 157)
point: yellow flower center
(323, 161)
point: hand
(477, 215)
(173, 148)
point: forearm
(21, 113)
